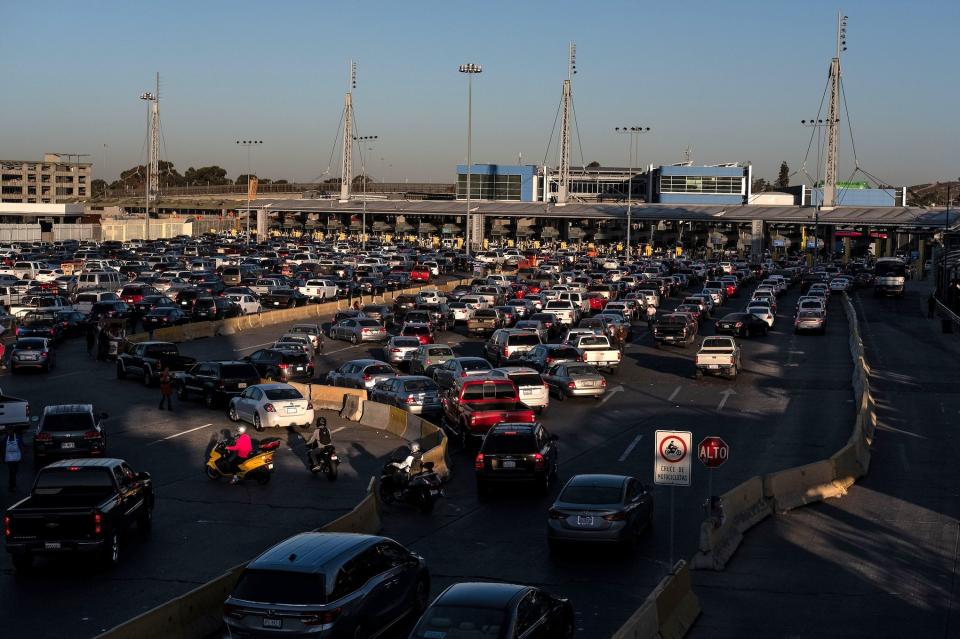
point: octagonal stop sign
(713, 451)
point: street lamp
(365, 139)
(249, 144)
(634, 132)
(470, 69)
(817, 124)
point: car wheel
(182, 393)
(232, 413)
(353, 339)
(209, 399)
(147, 378)
(421, 596)
(257, 424)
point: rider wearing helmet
(318, 439)
(239, 451)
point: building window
(709, 184)
(489, 187)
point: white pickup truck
(598, 352)
(319, 290)
(719, 355)
(39, 303)
(564, 311)
(14, 412)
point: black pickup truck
(78, 506)
(147, 360)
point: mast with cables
(346, 173)
(567, 102)
(153, 153)
(833, 118)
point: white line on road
(66, 375)
(610, 393)
(250, 348)
(676, 391)
(726, 395)
(633, 444)
(337, 430)
(178, 434)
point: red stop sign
(713, 451)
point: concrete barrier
(364, 518)
(668, 612)
(375, 414)
(743, 507)
(352, 407)
(802, 485)
(397, 422)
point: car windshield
(419, 386)
(584, 370)
(61, 422)
(74, 481)
(524, 339)
(416, 330)
(378, 369)
(490, 390)
(713, 342)
(564, 353)
(282, 393)
(475, 364)
(29, 345)
(593, 340)
(510, 443)
(239, 370)
(440, 351)
(281, 587)
(368, 323)
(590, 495)
(526, 379)
(307, 330)
(404, 342)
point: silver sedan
(358, 330)
(575, 379)
(399, 349)
(600, 509)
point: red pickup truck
(475, 404)
(420, 274)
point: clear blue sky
(730, 79)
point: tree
(243, 178)
(98, 187)
(783, 178)
(136, 177)
(358, 180)
(213, 175)
(760, 185)
(593, 165)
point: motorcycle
(421, 489)
(257, 466)
(327, 462)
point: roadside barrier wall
(787, 489)
(668, 612)
(198, 614)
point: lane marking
(250, 348)
(610, 393)
(726, 395)
(179, 434)
(629, 449)
(673, 395)
(66, 375)
(337, 430)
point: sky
(730, 80)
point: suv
(350, 585)
(215, 381)
(281, 365)
(517, 453)
(508, 343)
(68, 430)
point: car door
(533, 614)
(639, 503)
(381, 392)
(249, 404)
(553, 375)
(203, 377)
(258, 359)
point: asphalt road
(790, 405)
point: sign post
(671, 465)
(712, 452)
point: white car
(271, 406)
(319, 290)
(461, 311)
(248, 303)
(533, 391)
(312, 330)
(49, 274)
(762, 311)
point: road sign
(713, 451)
(671, 461)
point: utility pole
(471, 70)
(634, 132)
(833, 118)
(249, 144)
(346, 172)
(152, 192)
(566, 114)
(365, 139)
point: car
(427, 357)
(507, 344)
(399, 349)
(574, 379)
(41, 324)
(495, 610)
(281, 364)
(360, 373)
(516, 453)
(534, 392)
(215, 381)
(535, 326)
(415, 394)
(313, 331)
(214, 308)
(246, 301)
(271, 406)
(543, 356)
(68, 430)
(810, 321)
(296, 341)
(318, 584)
(453, 369)
(421, 332)
(73, 323)
(380, 312)
(600, 509)
(164, 317)
(32, 352)
(359, 330)
(762, 311)
(112, 310)
(742, 325)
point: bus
(890, 276)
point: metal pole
(633, 136)
(248, 195)
(671, 527)
(469, 152)
(709, 483)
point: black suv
(68, 430)
(281, 365)
(214, 308)
(215, 382)
(517, 453)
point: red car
(420, 274)
(597, 302)
(421, 331)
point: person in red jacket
(239, 450)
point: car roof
(273, 386)
(68, 409)
(597, 480)
(481, 594)
(311, 552)
(516, 370)
(103, 462)
(514, 426)
(366, 362)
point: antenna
(572, 61)
(353, 75)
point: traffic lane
(201, 528)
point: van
(105, 280)
(87, 299)
(232, 275)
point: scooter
(257, 466)
(327, 462)
(422, 489)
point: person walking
(651, 316)
(931, 306)
(166, 389)
(12, 455)
(91, 335)
(103, 344)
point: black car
(343, 585)
(214, 308)
(209, 284)
(402, 304)
(283, 298)
(163, 317)
(73, 323)
(187, 297)
(513, 453)
(496, 610)
(215, 382)
(543, 356)
(69, 430)
(114, 309)
(380, 312)
(150, 302)
(41, 324)
(280, 364)
(742, 325)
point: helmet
(241, 430)
(414, 448)
(321, 422)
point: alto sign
(713, 451)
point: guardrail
(668, 612)
(198, 613)
(949, 321)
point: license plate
(68, 445)
(242, 385)
(291, 410)
(299, 368)
(713, 365)
(272, 623)
(275, 304)
(51, 545)
(584, 521)
(509, 464)
(588, 384)
(270, 466)
(526, 392)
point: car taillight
(366, 378)
(478, 462)
(43, 355)
(269, 408)
(43, 437)
(410, 399)
(549, 360)
(283, 367)
(91, 434)
(571, 385)
(232, 611)
(321, 618)
(309, 405)
(538, 461)
(739, 324)
(394, 350)
(553, 513)
(97, 523)
(463, 373)
(615, 517)
(603, 383)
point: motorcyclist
(406, 467)
(318, 439)
(239, 450)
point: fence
(19, 232)
(434, 188)
(76, 232)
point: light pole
(249, 144)
(470, 69)
(818, 124)
(365, 139)
(634, 133)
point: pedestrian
(12, 455)
(91, 335)
(651, 316)
(166, 389)
(931, 306)
(103, 344)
